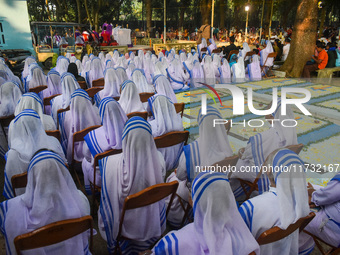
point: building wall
(15, 30)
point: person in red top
(318, 62)
(106, 36)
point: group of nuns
(218, 223)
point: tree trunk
(181, 17)
(303, 38)
(222, 12)
(148, 15)
(88, 13)
(236, 17)
(79, 12)
(205, 8)
(322, 21)
(268, 8)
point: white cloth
(177, 76)
(129, 98)
(239, 73)
(32, 101)
(38, 78)
(209, 70)
(122, 76)
(53, 84)
(50, 196)
(139, 166)
(197, 75)
(163, 87)
(254, 69)
(212, 46)
(244, 51)
(264, 54)
(224, 71)
(10, 94)
(138, 77)
(112, 86)
(62, 65)
(29, 60)
(96, 70)
(218, 227)
(285, 52)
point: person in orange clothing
(318, 62)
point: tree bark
(88, 13)
(303, 38)
(268, 7)
(205, 8)
(148, 15)
(222, 12)
(79, 12)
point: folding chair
(320, 243)
(18, 181)
(4, 122)
(116, 98)
(54, 233)
(94, 90)
(79, 137)
(47, 100)
(275, 233)
(228, 126)
(144, 115)
(38, 89)
(231, 53)
(94, 187)
(179, 108)
(98, 83)
(249, 54)
(83, 85)
(253, 185)
(217, 51)
(143, 198)
(61, 111)
(145, 96)
(171, 139)
(54, 133)
(270, 55)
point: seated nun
(224, 72)
(53, 87)
(254, 69)
(218, 227)
(163, 87)
(129, 99)
(138, 77)
(102, 139)
(209, 70)
(238, 71)
(96, 71)
(139, 166)
(26, 136)
(51, 195)
(197, 75)
(176, 74)
(284, 204)
(112, 85)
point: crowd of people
(221, 221)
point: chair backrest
(98, 83)
(145, 96)
(60, 111)
(249, 54)
(79, 137)
(144, 115)
(226, 164)
(231, 53)
(38, 89)
(227, 126)
(6, 120)
(147, 197)
(94, 90)
(116, 98)
(171, 139)
(270, 55)
(179, 108)
(47, 100)
(19, 181)
(83, 85)
(275, 233)
(54, 233)
(54, 133)
(296, 148)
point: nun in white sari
(112, 86)
(202, 45)
(129, 99)
(28, 61)
(160, 67)
(50, 196)
(68, 85)
(96, 71)
(197, 75)
(122, 76)
(32, 101)
(212, 46)
(176, 74)
(138, 77)
(165, 120)
(224, 71)
(264, 54)
(209, 70)
(218, 227)
(260, 146)
(53, 84)
(62, 65)
(139, 166)
(244, 52)
(25, 137)
(102, 139)
(163, 87)
(238, 70)
(284, 204)
(38, 78)
(254, 69)
(82, 114)
(130, 68)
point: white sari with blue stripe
(218, 227)
(139, 166)
(51, 195)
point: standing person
(332, 55)
(51, 195)
(230, 47)
(320, 61)
(285, 50)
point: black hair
(320, 44)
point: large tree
(205, 8)
(303, 38)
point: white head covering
(29, 60)
(254, 69)
(182, 57)
(101, 56)
(50, 190)
(244, 51)
(139, 79)
(128, 173)
(85, 59)
(224, 70)
(189, 62)
(176, 74)
(38, 78)
(112, 86)
(218, 227)
(12, 77)
(115, 56)
(10, 94)
(32, 101)
(202, 45)
(291, 187)
(197, 75)
(141, 58)
(160, 68)
(212, 46)
(149, 69)
(96, 71)
(131, 55)
(86, 70)
(239, 73)
(130, 68)
(79, 66)
(264, 53)
(163, 87)
(129, 99)
(73, 59)
(62, 65)
(211, 146)
(121, 62)
(26, 136)
(53, 84)
(122, 76)
(216, 60)
(209, 70)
